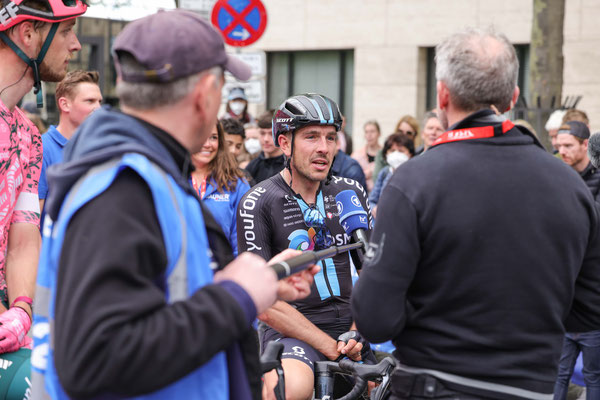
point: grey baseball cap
(575, 128)
(172, 45)
(237, 93)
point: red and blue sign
(242, 22)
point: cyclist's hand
(351, 344)
(351, 349)
(14, 325)
(253, 274)
(298, 285)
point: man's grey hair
(478, 72)
(428, 115)
(146, 96)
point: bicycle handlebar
(271, 358)
(366, 371)
(362, 372)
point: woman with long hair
(366, 154)
(409, 126)
(219, 182)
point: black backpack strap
(218, 242)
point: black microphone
(300, 262)
(353, 217)
(594, 149)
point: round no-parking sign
(242, 22)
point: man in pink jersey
(37, 40)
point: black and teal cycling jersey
(271, 218)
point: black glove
(346, 337)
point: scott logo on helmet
(8, 13)
(284, 120)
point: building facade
(376, 57)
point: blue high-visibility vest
(180, 218)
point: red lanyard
(202, 189)
(472, 133)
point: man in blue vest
(129, 303)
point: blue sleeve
(376, 192)
(43, 183)
(240, 190)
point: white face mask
(252, 145)
(396, 158)
(237, 107)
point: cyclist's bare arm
(291, 323)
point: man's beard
(306, 174)
(48, 75)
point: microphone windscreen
(594, 149)
(352, 214)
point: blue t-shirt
(53, 143)
(223, 206)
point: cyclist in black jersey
(297, 209)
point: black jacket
(591, 176)
(483, 250)
(347, 167)
(262, 168)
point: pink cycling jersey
(20, 166)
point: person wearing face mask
(271, 160)
(237, 106)
(251, 146)
(407, 125)
(398, 149)
(252, 143)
